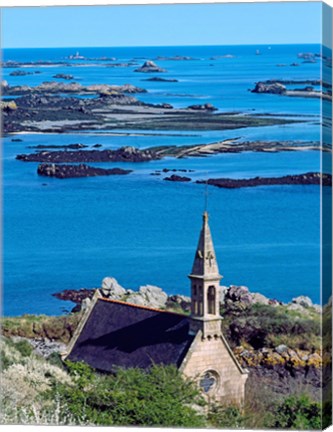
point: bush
(220, 416)
(132, 397)
(297, 412)
(24, 348)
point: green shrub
(220, 416)
(297, 412)
(158, 397)
(24, 348)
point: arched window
(209, 381)
(211, 300)
(194, 290)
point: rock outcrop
(177, 178)
(7, 106)
(63, 76)
(20, 73)
(112, 289)
(159, 79)
(147, 295)
(149, 67)
(273, 88)
(279, 88)
(304, 301)
(202, 107)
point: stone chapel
(113, 334)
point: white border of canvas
(15, 3)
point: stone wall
(214, 357)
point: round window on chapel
(209, 381)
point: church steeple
(205, 282)
(205, 264)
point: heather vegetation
(260, 325)
(35, 390)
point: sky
(161, 25)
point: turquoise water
(61, 234)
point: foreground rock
(123, 154)
(76, 171)
(112, 289)
(148, 295)
(297, 179)
(149, 67)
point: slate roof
(119, 334)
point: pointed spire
(205, 263)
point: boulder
(281, 349)
(295, 307)
(239, 294)
(260, 299)
(149, 66)
(112, 289)
(137, 299)
(153, 295)
(303, 301)
(85, 303)
(183, 301)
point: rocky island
(159, 79)
(76, 171)
(297, 179)
(61, 107)
(123, 154)
(133, 154)
(149, 67)
(279, 88)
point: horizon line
(166, 46)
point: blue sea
(70, 234)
